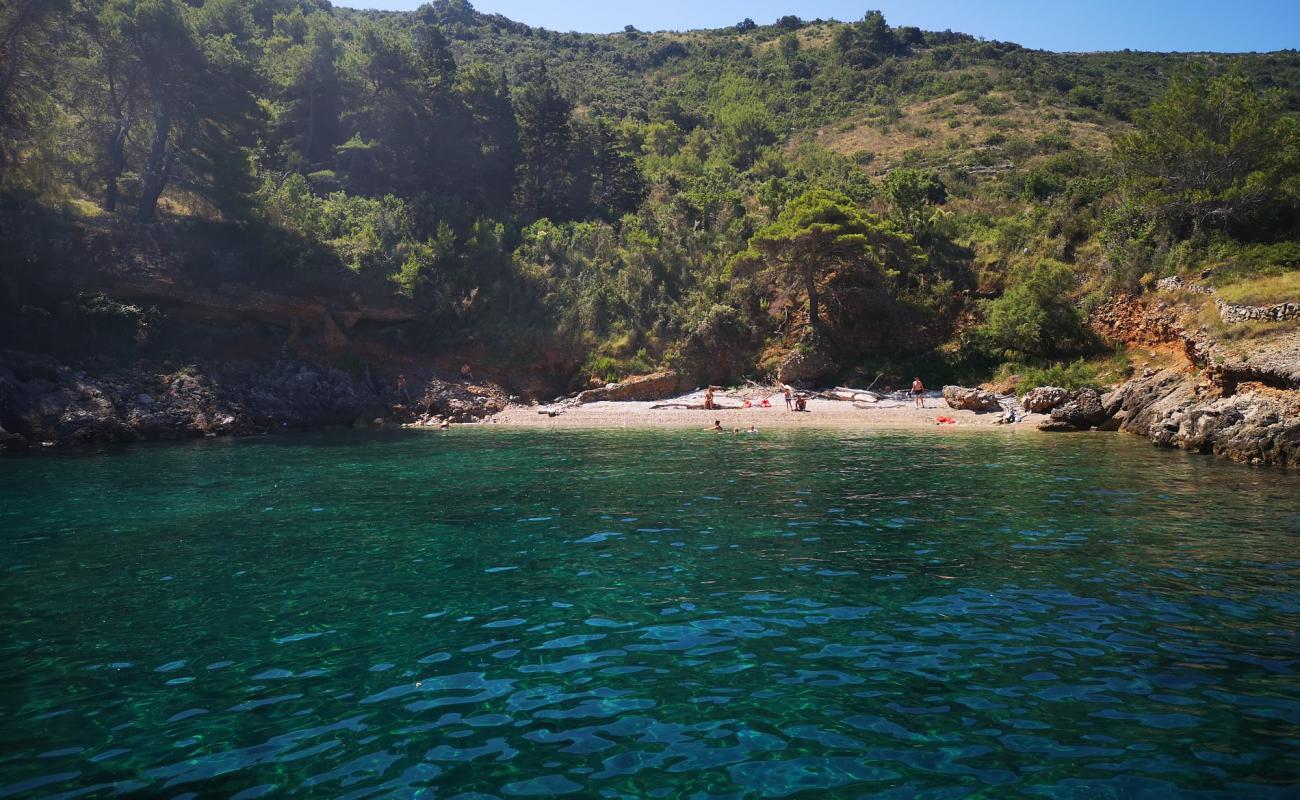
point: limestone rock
(44, 402)
(1249, 427)
(1043, 399)
(964, 399)
(805, 368)
(11, 441)
(1083, 412)
(644, 387)
(1056, 426)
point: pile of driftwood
(755, 394)
(851, 395)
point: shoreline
(889, 413)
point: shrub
(1036, 317)
(1078, 374)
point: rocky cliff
(1241, 403)
(43, 402)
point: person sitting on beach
(466, 372)
(918, 392)
(766, 403)
(789, 399)
(717, 426)
(709, 405)
(801, 403)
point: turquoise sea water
(649, 614)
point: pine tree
(543, 177)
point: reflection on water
(659, 614)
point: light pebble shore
(822, 413)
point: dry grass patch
(1284, 288)
(920, 128)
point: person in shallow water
(918, 392)
(717, 426)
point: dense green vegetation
(706, 200)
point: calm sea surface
(649, 615)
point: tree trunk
(116, 163)
(814, 302)
(155, 177)
(123, 111)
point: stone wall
(1282, 312)
(1230, 312)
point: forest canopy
(701, 199)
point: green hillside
(638, 200)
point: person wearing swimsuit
(918, 393)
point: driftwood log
(852, 395)
(695, 407)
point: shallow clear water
(649, 614)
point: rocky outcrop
(1043, 399)
(644, 387)
(805, 367)
(964, 399)
(1242, 405)
(1255, 426)
(1150, 323)
(43, 402)
(1082, 412)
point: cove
(665, 614)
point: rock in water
(964, 399)
(1043, 399)
(1250, 427)
(1055, 426)
(1083, 412)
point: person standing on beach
(918, 392)
(789, 399)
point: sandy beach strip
(821, 413)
